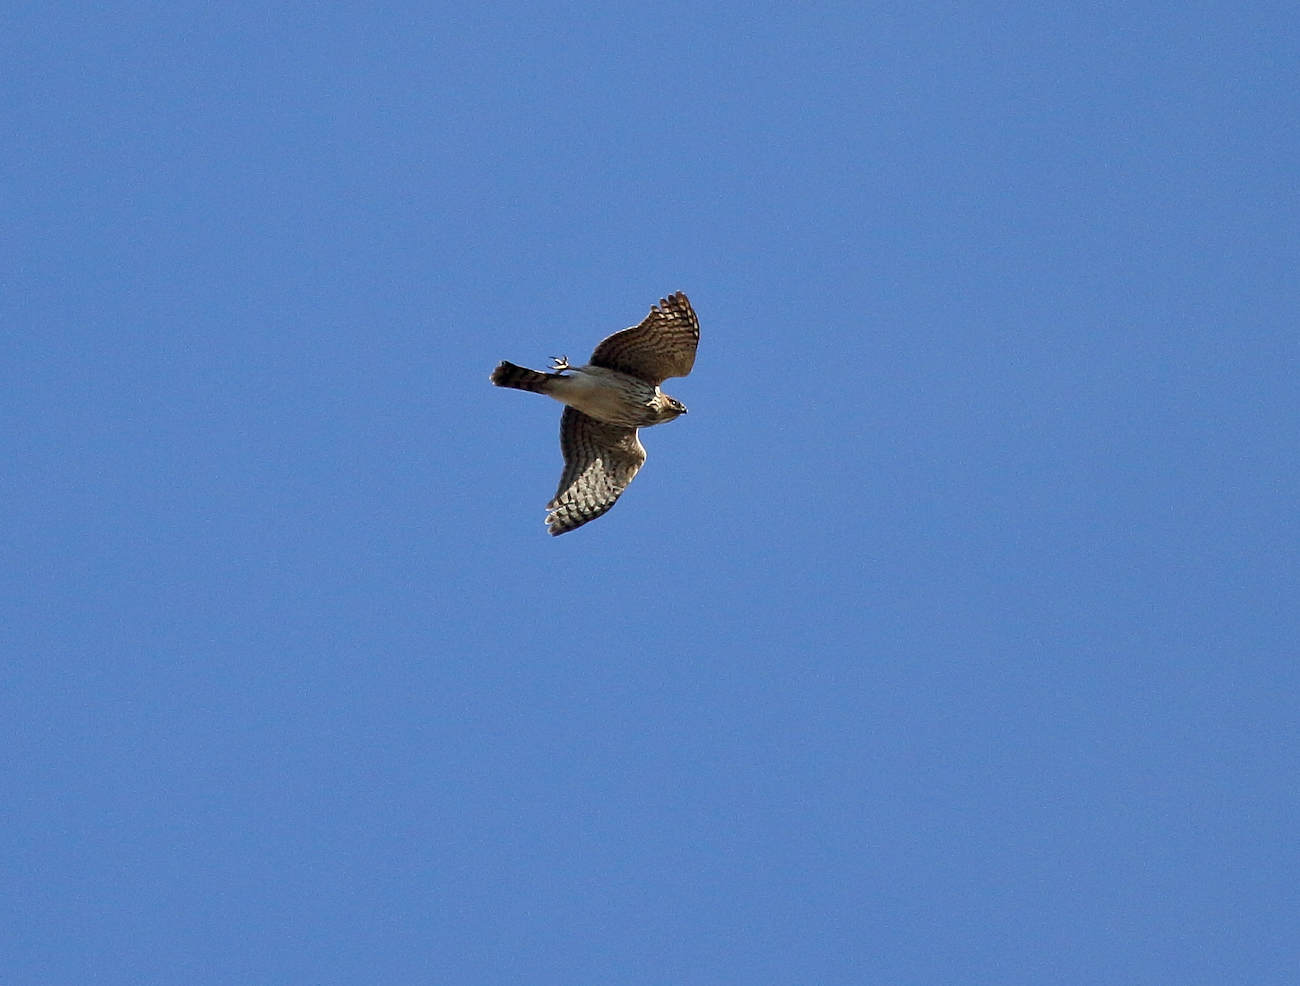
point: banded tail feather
(521, 378)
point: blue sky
(951, 637)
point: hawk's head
(669, 408)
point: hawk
(606, 401)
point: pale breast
(606, 395)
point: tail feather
(521, 378)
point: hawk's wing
(662, 346)
(599, 461)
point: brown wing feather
(599, 461)
(662, 346)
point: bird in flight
(606, 401)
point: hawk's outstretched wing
(662, 346)
(599, 461)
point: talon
(561, 364)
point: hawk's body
(604, 394)
(607, 400)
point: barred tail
(521, 378)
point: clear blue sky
(950, 639)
